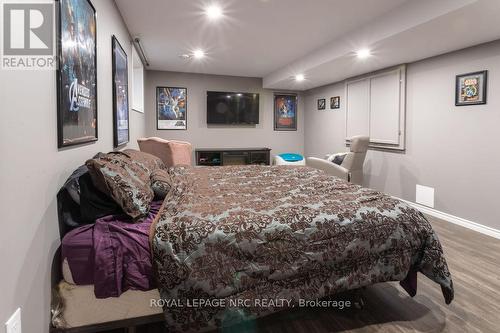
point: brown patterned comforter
(254, 232)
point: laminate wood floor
(474, 262)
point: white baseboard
(455, 219)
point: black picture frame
(76, 74)
(321, 103)
(481, 87)
(184, 105)
(335, 102)
(121, 114)
(287, 121)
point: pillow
(95, 204)
(125, 180)
(79, 202)
(338, 159)
(161, 183)
(147, 161)
(72, 184)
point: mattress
(82, 308)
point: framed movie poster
(335, 102)
(171, 108)
(120, 94)
(285, 112)
(321, 104)
(77, 73)
(470, 89)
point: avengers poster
(171, 108)
(285, 112)
(120, 95)
(77, 82)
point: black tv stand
(232, 156)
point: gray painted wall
(32, 170)
(453, 149)
(203, 136)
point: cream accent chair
(351, 168)
(171, 152)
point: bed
(253, 233)
(236, 236)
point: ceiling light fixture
(213, 12)
(363, 53)
(198, 54)
(299, 77)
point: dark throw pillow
(79, 202)
(95, 204)
(339, 159)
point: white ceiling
(276, 39)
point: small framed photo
(171, 108)
(470, 88)
(285, 112)
(321, 104)
(335, 102)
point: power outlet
(13, 325)
(425, 196)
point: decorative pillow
(339, 159)
(161, 183)
(125, 180)
(147, 161)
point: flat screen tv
(232, 108)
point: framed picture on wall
(321, 104)
(171, 108)
(335, 102)
(120, 94)
(285, 112)
(76, 73)
(470, 88)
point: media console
(232, 156)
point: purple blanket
(113, 254)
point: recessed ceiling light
(299, 77)
(198, 54)
(213, 12)
(363, 53)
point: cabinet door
(259, 157)
(358, 108)
(385, 108)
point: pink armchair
(171, 152)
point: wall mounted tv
(232, 108)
